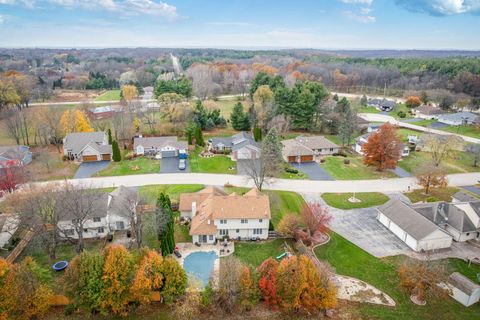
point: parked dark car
(177, 253)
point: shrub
(291, 170)
(401, 114)
(346, 161)
(432, 199)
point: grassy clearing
(368, 199)
(53, 168)
(460, 162)
(289, 175)
(404, 133)
(350, 260)
(255, 253)
(469, 131)
(356, 170)
(404, 108)
(441, 194)
(140, 165)
(150, 193)
(226, 106)
(216, 164)
(424, 123)
(109, 95)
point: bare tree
(474, 149)
(441, 146)
(126, 202)
(430, 176)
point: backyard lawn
(254, 253)
(460, 162)
(437, 194)
(469, 131)
(356, 170)
(109, 95)
(150, 193)
(350, 260)
(366, 109)
(368, 199)
(138, 165)
(215, 164)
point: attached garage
(89, 158)
(411, 227)
(308, 158)
(106, 157)
(294, 152)
(168, 153)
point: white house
(463, 289)
(164, 147)
(216, 215)
(87, 146)
(242, 146)
(8, 226)
(360, 141)
(415, 230)
(459, 118)
(113, 212)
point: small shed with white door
(463, 289)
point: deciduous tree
(431, 176)
(175, 281)
(413, 102)
(148, 277)
(75, 121)
(289, 225)
(441, 147)
(267, 282)
(382, 149)
(316, 218)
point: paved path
(374, 117)
(89, 169)
(313, 171)
(401, 172)
(300, 186)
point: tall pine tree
(117, 156)
(239, 119)
(165, 224)
(110, 140)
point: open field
(368, 199)
(460, 162)
(356, 170)
(469, 131)
(348, 259)
(109, 95)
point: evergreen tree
(165, 224)
(239, 119)
(110, 140)
(117, 156)
(200, 115)
(363, 101)
(257, 134)
(272, 153)
(199, 137)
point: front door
(202, 239)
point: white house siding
(245, 230)
(186, 214)
(90, 225)
(113, 219)
(245, 154)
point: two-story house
(87, 146)
(215, 215)
(111, 212)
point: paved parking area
(170, 165)
(313, 171)
(361, 227)
(88, 169)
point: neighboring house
(164, 147)
(418, 232)
(241, 146)
(101, 112)
(216, 215)
(360, 141)
(428, 112)
(8, 226)
(382, 104)
(307, 149)
(459, 118)
(112, 212)
(362, 123)
(462, 196)
(87, 146)
(461, 220)
(463, 289)
(14, 156)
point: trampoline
(60, 265)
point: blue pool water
(200, 265)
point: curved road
(375, 117)
(300, 186)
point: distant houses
(459, 118)
(361, 140)
(99, 113)
(14, 156)
(87, 147)
(382, 104)
(427, 112)
(308, 149)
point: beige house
(307, 149)
(215, 215)
(87, 146)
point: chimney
(194, 209)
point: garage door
(169, 154)
(89, 158)
(292, 159)
(306, 158)
(106, 157)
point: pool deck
(188, 248)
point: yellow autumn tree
(148, 277)
(117, 269)
(129, 92)
(136, 124)
(75, 121)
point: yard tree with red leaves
(11, 175)
(316, 218)
(267, 282)
(382, 150)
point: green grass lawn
(350, 260)
(469, 131)
(254, 253)
(401, 107)
(441, 194)
(288, 175)
(216, 164)
(366, 109)
(424, 123)
(403, 133)
(340, 200)
(461, 162)
(150, 193)
(138, 165)
(109, 95)
(356, 170)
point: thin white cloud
(2, 19)
(366, 2)
(124, 7)
(441, 7)
(362, 18)
(233, 24)
(361, 14)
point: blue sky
(326, 24)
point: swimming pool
(200, 265)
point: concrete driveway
(170, 165)
(401, 172)
(89, 169)
(437, 125)
(361, 227)
(243, 165)
(313, 171)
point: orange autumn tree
(290, 282)
(117, 270)
(148, 277)
(413, 101)
(248, 290)
(382, 150)
(267, 282)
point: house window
(468, 233)
(210, 237)
(260, 220)
(100, 230)
(223, 232)
(223, 221)
(238, 230)
(69, 232)
(244, 221)
(120, 225)
(257, 231)
(96, 219)
(85, 230)
(331, 149)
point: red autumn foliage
(382, 149)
